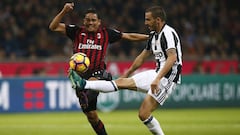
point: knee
(120, 81)
(142, 115)
(125, 83)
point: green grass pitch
(224, 121)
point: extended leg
(110, 86)
(81, 84)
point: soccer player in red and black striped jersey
(92, 39)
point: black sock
(99, 128)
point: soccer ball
(79, 62)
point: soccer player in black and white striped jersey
(165, 44)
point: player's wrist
(63, 12)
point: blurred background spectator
(209, 29)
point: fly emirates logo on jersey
(89, 45)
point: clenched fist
(68, 7)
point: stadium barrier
(41, 94)
(56, 68)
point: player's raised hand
(68, 7)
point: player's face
(91, 22)
(150, 22)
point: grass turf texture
(173, 121)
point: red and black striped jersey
(93, 44)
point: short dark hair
(157, 11)
(94, 11)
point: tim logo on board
(34, 95)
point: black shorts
(92, 100)
(92, 95)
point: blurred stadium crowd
(209, 29)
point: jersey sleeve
(149, 43)
(170, 39)
(114, 35)
(71, 31)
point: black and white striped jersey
(159, 43)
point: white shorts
(144, 79)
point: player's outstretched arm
(134, 36)
(55, 24)
(139, 60)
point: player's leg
(89, 110)
(148, 106)
(88, 102)
(81, 84)
(151, 102)
(138, 82)
(110, 86)
(95, 122)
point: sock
(153, 125)
(99, 128)
(101, 85)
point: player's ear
(84, 21)
(158, 19)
